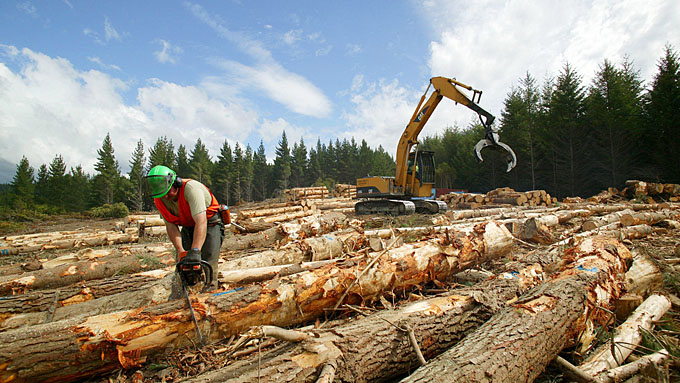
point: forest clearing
(506, 286)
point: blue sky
(244, 71)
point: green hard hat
(160, 180)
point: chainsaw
(192, 269)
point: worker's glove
(194, 256)
(189, 266)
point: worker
(189, 204)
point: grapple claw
(510, 158)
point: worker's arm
(200, 230)
(174, 235)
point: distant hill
(7, 171)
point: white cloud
(290, 89)
(27, 8)
(48, 107)
(515, 36)
(167, 52)
(353, 49)
(188, 112)
(381, 111)
(110, 33)
(68, 3)
(293, 91)
(102, 65)
(292, 36)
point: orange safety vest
(185, 218)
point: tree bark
(519, 342)
(125, 339)
(66, 302)
(71, 273)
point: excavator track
(385, 206)
(430, 206)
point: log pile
(498, 197)
(649, 192)
(377, 304)
(346, 190)
(16, 244)
(312, 192)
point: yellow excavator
(412, 190)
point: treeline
(570, 138)
(236, 175)
(573, 139)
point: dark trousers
(211, 247)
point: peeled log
(627, 336)
(124, 339)
(518, 343)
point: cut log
(106, 296)
(516, 344)
(627, 336)
(124, 339)
(624, 216)
(250, 214)
(71, 273)
(48, 300)
(286, 217)
(375, 348)
(533, 230)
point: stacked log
(342, 204)
(312, 192)
(275, 213)
(346, 190)
(498, 197)
(650, 192)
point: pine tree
(568, 132)
(247, 174)
(519, 123)
(298, 166)
(182, 165)
(200, 164)
(107, 181)
(57, 184)
(41, 185)
(162, 153)
(281, 170)
(236, 186)
(260, 173)
(222, 174)
(663, 115)
(79, 190)
(614, 109)
(23, 183)
(136, 177)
